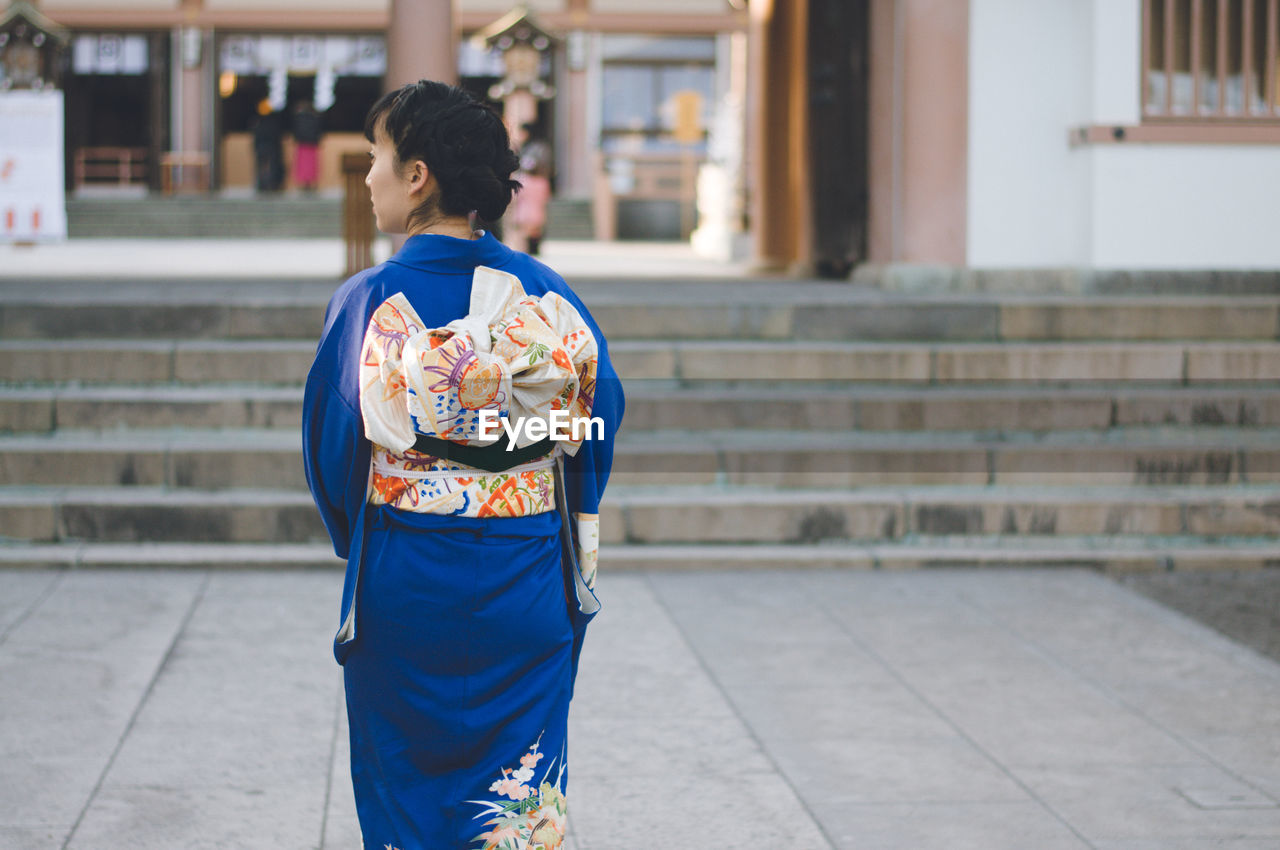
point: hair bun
(463, 142)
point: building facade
(1123, 133)
(180, 88)
(992, 133)
(1002, 133)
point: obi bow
(515, 355)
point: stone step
(861, 316)
(918, 278)
(273, 215)
(678, 515)
(154, 216)
(1107, 554)
(1043, 363)
(707, 312)
(153, 361)
(164, 321)
(1136, 456)
(707, 405)
(287, 361)
(152, 514)
(271, 458)
(235, 556)
(111, 407)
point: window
(644, 79)
(1210, 60)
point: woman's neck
(455, 226)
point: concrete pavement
(965, 710)
(324, 258)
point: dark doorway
(352, 99)
(120, 110)
(839, 112)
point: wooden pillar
(919, 131)
(422, 43)
(192, 96)
(781, 220)
(575, 172)
(159, 75)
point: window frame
(654, 132)
(1163, 46)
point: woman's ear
(418, 176)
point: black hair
(463, 142)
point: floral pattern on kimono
(534, 815)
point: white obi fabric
(515, 355)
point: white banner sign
(32, 191)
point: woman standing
(530, 219)
(469, 579)
(307, 129)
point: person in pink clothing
(307, 130)
(529, 218)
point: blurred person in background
(307, 130)
(529, 220)
(268, 147)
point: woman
(461, 622)
(307, 129)
(530, 219)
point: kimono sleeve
(335, 451)
(587, 472)
(336, 455)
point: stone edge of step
(647, 496)
(623, 557)
(683, 441)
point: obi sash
(514, 355)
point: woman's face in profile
(392, 189)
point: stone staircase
(768, 424)
(282, 216)
(269, 217)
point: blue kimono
(459, 635)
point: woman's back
(467, 592)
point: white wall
(1167, 205)
(1039, 69)
(1185, 206)
(1116, 62)
(1028, 195)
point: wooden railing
(357, 213)
(110, 165)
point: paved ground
(319, 258)
(965, 710)
(1242, 604)
(957, 710)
